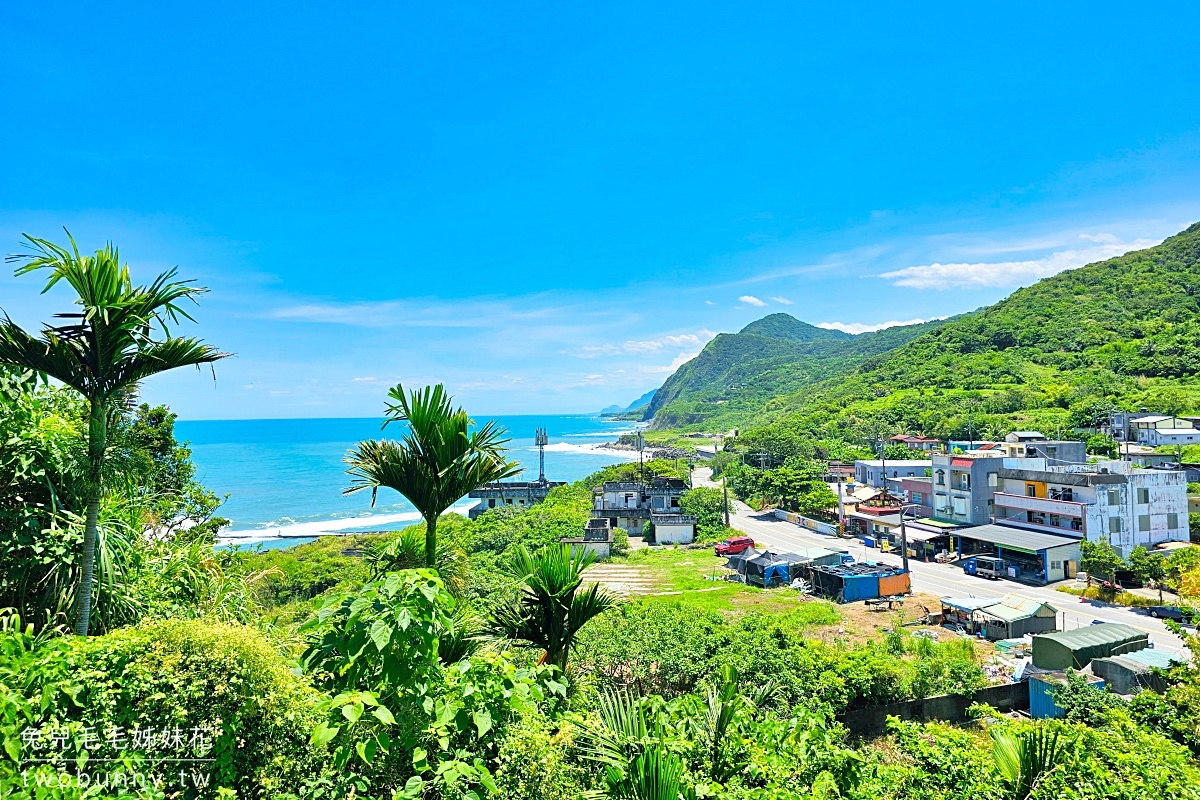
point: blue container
(859, 587)
(1041, 703)
(869, 541)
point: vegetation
(1058, 356)
(101, 351)
(475, 659)
(439, 460)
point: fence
(945, 707)
(817, 525)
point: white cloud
(709, 303)
(635, 347)
(1012, 273)
(782, 301)
(751, 300)
(863, 327)
(679, 361)
(368, 379)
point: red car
(731, 547)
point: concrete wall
(946, 707)
(674, 534)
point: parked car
(734, 545)
(1169, 612)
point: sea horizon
(285, 477)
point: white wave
(589, 449)
(285, 528)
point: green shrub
(203, 679)
(536, 763)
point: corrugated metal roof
(1016, 538)
(969, 603)
(1013, 607)
(1158, 659)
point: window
(1031, 490)
(941, 477)
(1055, 521)
(918, 498)
(492, 503)
(964, 481)
(1143, 496)
(960, 506)
(508, 500)
(1052, 453)
(1055, 565)
(1114, 497)
(1173, 521)
(1144, 523)
(991, 479)
(1114, 524)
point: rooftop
(1017, 538)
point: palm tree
(550, 610)
(102, 351)
(437, 462)
(1023, 758)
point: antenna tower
(541, 440)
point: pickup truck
(734, 545)
(984, 566)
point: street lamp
(903, 535)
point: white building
(674, 528)
(1157, 437)
(871, 473)
(1147, 427)
(1109, 501)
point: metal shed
(961, 611)
(1075, 649)
(1015, 616)
(1041, 700)
(849, 582)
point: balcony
(1040, 505)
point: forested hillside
(1056, 356)
(737, 375)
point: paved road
(940, 579)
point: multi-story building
(629, 504)
(874, 473)
(917, 442)
(1109, 501)
(963, 484)
(521, 494)
(1150, 429)
(1159, 437)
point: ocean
(284, 477)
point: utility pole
(903, 539)
(641, 445)
(883, 467)
(725, 492)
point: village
(1008, 517)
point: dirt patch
(860, 623)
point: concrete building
(871, 473)
(1147, 427)
(963, 484)
(918, 491)
(1160, 437)
(1031, 444)
(597, 538)
(917, 442)
(1109, 501)
(673, 528)
(521, 494)
(629, 504)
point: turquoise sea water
(284, 477)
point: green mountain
(737, 376)
(640, 404)
(1058, 355)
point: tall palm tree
(102, 351)
(550, 610)
(437, 462)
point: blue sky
(549, 207)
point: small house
(961, 611)
(1015, 616)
